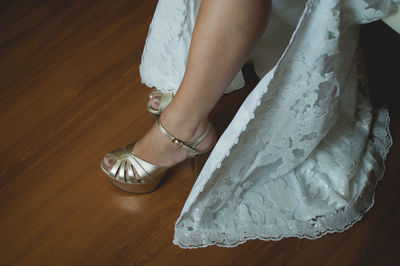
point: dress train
(303, 155)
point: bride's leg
(225, 33)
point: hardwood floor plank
(69, 92)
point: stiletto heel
(128, 167)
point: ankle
(183, 126)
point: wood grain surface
(69, 92)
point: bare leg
(225, 33)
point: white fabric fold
(304, 152)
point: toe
(155, 100)
(109, 160)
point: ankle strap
(188, 146)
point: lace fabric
(166, 51)
(303, 154)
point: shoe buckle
(177, 142)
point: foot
(157, 149)
(154, 99)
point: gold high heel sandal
(122, 173)
(165, 99)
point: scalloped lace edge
(348, 211)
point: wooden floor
(70, 91)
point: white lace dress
(303, 155)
